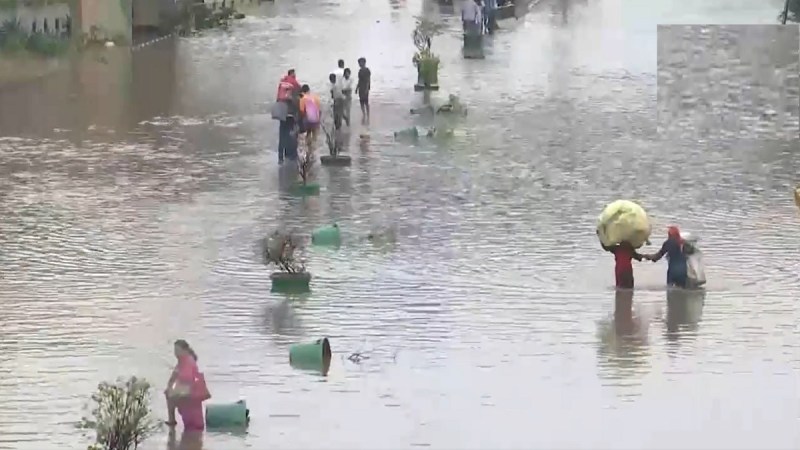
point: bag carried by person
(694, 268)
(201, 388)
(197, 390)
(280, 110)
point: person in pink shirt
(287, 86)
(186, 390)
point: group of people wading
(299, 110)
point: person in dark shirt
(674, 249)
(624, 254)
(362, 89)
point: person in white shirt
(339, 72)
(346, 85)
(471, 17)
(338, 101)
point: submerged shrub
(122, 415)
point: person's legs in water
(348, 103)
(311, 137)
(282, 140)
(338, 111)
(290, 151)
(171, 407)
(363, 100)
(624, 279)
(191, 412)
(677, 279)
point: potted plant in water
(292, 275)
(305, 168)
(334, 156)
(426, 62)
(122, 415)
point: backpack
(312, 111)
(285, 90)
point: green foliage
(122, 416)
(428, 66)
(424, 32)
(426, 62)
(46, 45)
(13, 39)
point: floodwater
(739, 80)
(135, 187)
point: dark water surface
(135, 187)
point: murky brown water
(134, 191)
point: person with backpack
(311, 115)
(285, 111)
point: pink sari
(191, 408)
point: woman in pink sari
(186, 389)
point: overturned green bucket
(315, 356)
(327, 235)
(227, 415)
(304, 190)
(297, 282)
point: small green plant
(305, 165)
(426, 62)
(333, 144)
(122, 416)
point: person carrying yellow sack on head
(623, 227)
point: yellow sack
(623, 221)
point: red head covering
(674, 233)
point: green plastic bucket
(307, 189)
(315, 356)
(327, 235)
(291, 282)
(228, 415)
(408, 133)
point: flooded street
(135, 187)
(735, 80)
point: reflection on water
(130, 221)
(623, 349)
(684, 310)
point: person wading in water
(362, 89)
(624, 254)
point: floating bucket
(304, 190)
(408, 133)
(315, 356)
(291, 282)
(227, 415)
(327, 235)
